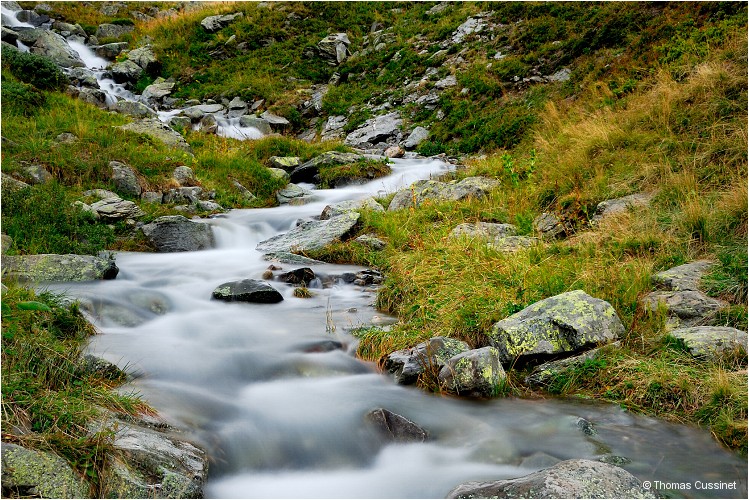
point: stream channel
(276, 396)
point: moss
(47, 474)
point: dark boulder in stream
(395, 427)
(247, 291)
(175, 233)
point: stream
(277, 397)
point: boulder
(133, 108)
(477, 372)
(29, 36)
(157, 91)
(686, 308)
(567, 479)
(93, 96)
(333, 128)
(278, 173)
(175, 233)
(351, 206)
(110, 50)
(334, 48)
(308, 171)
(287, 163)
(180, 122)
(253, 121)
(395, 428)
(416, 137)
(394, 152)
(208, 206)
(215, 23)
(28, 473)
(126, 72)
(712, 342)
(420, 191)
(616, 206)
(83, 77)
(301, 276)
(375, 130)
(53, 267)
(159, 131)
(36, 174)
(407, 364)
(292, 192)
(209, 124)
(550, 227)
(9, 36)
(561, 324)
(684, 277)
(53, 46)
(277, 123)
(125, 179)
(247, 291)
(311, 235)
(113, 30)
(146, 59)
(152, 197)
(183, 175)
(114, 209)
(33, 18)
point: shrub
(20, 98)
(37, 70)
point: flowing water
(276, 396)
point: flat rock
(560, 324)
(159, 131)
(407, 364)
(616, 206)
(54, 267)
(684, 277)
(30, 473)
(175, 233)
(312, 235)
(568, 479)
(394, 427)
(421, 191)
(477, 372)
(690, 307)
(343, 207)
(375, 130)
(114, 209)
(712, 342)
(248, 290)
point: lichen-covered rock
(394, 427)
(124, 179)
(420, 191)
(292, 192)
(689, 307)
(407, 364)
(371, 241)
(312, 235)
(287, 163)
(114, 209)
(477, 372)
(486, 231)
(154, 128)
(561, 324)
(712, 342)
(53, 267)
(351, 206)
(609, 208)
(568, 479)
(247, 291)
(684, 277)
(175, 233)
(27, 473)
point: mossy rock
(39, 474)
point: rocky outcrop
(477, 372)
(617, 206)
(394, 427)
(157, 130)
(350, 206)
(53, 46)
(376, 131)
(334, 48)
(175, 233)
(53, 267)
(248, 290)
(712, 342)
(407, 364)
(557, 325)
(215, 23)
(28, 473)
(421, 191)
(312, 235)
(568, 479)
(115, 209)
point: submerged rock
(568, 479)
(29, 473)
(248, 290)
(561, 324)
(175, 233)
(394, 427)
(311, 235)
(53, 267)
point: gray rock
(471, 187)
(561, 324)
(71, 29)
(255, 122)
(712, 342)
(684, 277)
(277, 123)
(53, 267)
(216, 23)
(394, 427)
(247, 291)
(9, 36)
(183, 175)
(208, 206)
(287, 163)
(246, 194)
(301, 276)
(334, 48)
(438, 8)
(477, 372)
(126, 72)
(159, 131)
(157, 91)
(66, 138)
(407, 364)
(375, 130)
(100, 194)
(29, 473)
(560, 76)
(36, 174)
(470, 26)
(568, 479)
(549, 226)
(312, 235)
(486, 231)
(371, 241)
(152, 197)
(616, 206)
(113, 30)
(87, 209)
(31, 17)
(209, 124)
(53, 46)
(307, 171)
(175, 233)
(29, 36)
(292, 192)
(416, 137)
(94, 365)
(146, 59)
(125, 179)
(93, 96)
(133, 108)
(114, 209)
(11, 184)
(333, 128)
(83, 77)
(351, 206)
(543, 374)
(511, 244)
(110, 50)
(291, 258)
(690, 307)
(180, 122)
(447, 82)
